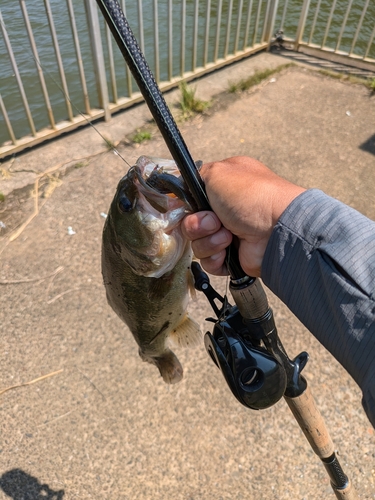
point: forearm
(320, 260)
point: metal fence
(60, 67)
(338, 30)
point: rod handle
(312, 425)
(311, 422)
(348, 493)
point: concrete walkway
(103, 425)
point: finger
(215, 264)
(199, 225)
(213, 244)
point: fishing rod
(244, 343)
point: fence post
(98, 56)
(301, 23)
(269, 22)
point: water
(28, 68)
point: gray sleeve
(320, 261)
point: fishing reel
(257, 376)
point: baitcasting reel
(257, 377)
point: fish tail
(168, 364)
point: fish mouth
(161, 184)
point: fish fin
(168, 364)
(186, 334)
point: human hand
(248, 199)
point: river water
(27, 66)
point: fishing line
(66, 95)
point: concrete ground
(103, 425)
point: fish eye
(124, 204)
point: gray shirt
(320, 261)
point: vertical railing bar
(170, 40)
(328, 23)
(359, 27)
(129, 83)
(98, 56)
(269, 21)
(283, 15)
(207, 33)
(257, 22)
(301, 23)
(156, 42)
(343, 25)
(18, 76)
(370, 43)
(239, 19)
(195, 33)
(183, 36)
(38, 66)
(140, 24)
(59, 59)
(227, 37)
(111, 64)
(7, 121)
(248, 19)
(218, 26)
(317, 10)
(79, 57)
(265, 20)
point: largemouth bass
(146, 262)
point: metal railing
(59, 66)
(70, 93)
(337, 30)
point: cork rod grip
(347, 494)
(311, 422)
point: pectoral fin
(186, 334)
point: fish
(146, 262)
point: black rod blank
(134, 58)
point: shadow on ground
(19, 485)
(369, 145)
